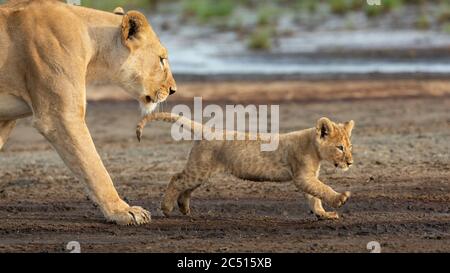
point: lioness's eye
(340, 147)
(161, 61)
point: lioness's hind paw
(133, 216)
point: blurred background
(299, 37)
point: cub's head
(145, 71)
(333, 142)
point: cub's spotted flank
(297, 159)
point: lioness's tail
(168, 117)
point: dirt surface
(400, 180)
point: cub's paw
(341, 199)
(131, 216)
(327, 215)
(183, 205)
(166, 208)
(185, 210)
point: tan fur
(297, 159)
(50, 51)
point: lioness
(50, 51)
(297, 159)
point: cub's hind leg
(184, 200)
(184, 197)
(201, 165)
(180, 187)
(316, 207)
(172, 192)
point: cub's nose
(172, 91)
(349, 163)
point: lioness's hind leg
(6, 128)
(316, 207)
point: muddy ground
(400, 180)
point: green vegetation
(389, 5)
(343, 6)
(443, 16)
(357, 4)
(112, 4)
(446, 28)
(267, 15)
(423, 22)
(339, 6)
(261, 39)
(385, 7)
(204, 10)
(236, 24)
(312, 6)
(372, 11)
(307, 6)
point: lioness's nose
(172, 91)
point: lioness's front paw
(327, 215)
(131, 216)
(341, 199)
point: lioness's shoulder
(15, 5)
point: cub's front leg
(313, 186)
(316, 207)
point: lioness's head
(333, 142)
(145, 71)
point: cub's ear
(134, 25)
(348, 126)
(324, 127)
(119, 11)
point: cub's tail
(171, 118)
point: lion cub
(296, 159)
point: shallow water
(205, 52)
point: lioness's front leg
(59, 115)
(70, 137)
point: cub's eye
(340, 148)
(161, 62)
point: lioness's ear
(348, 126)
(324, 127)
(119, 11)
(133, 26)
